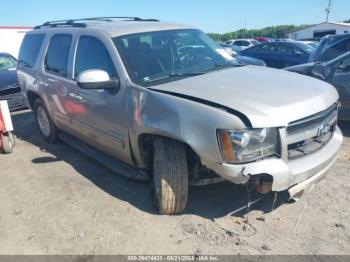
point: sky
(209, 15)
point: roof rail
(73, 22)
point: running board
(107, 161)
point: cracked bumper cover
(286, 173)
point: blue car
(280, 54)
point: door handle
(76, 97)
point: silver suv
(163, 101)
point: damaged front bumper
(296, 175)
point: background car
(280, 54)
(335, 72)
(242, 59)
(243, 43)
(330, 47)
(9, 87)
(262, 39)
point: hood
(8, 80)
(267, 97)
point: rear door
(267, 52)
(290, 55)
(55, 79)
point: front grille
(15, 101)
(312, 121)
(310, 134)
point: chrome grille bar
(310, 134)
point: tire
(12, 138)
(7, 145)
(44, 122)
(170, 176)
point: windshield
(157, 57)
(318, 50)
(7, 62)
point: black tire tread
(170, 167)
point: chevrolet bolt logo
(323, 129)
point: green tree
(280, 31)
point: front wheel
(170, 176)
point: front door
(99, 116)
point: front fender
(185, 120)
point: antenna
(328, 9)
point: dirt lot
(54, 200)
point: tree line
(280, 31)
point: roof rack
(73, 22)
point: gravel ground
(54, 200)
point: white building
(320, 30)
(11, 38)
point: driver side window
(92, 54)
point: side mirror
(97, 79)
(345, 65)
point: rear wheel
(46, 126)
(170, 176)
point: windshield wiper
(203, 71)
(171, 75)
(220, 65)
(185, 74)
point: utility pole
(328, 9)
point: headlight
(248, 145)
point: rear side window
(266, 48)
(30, 49)
(57, 54)
(92, 54)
